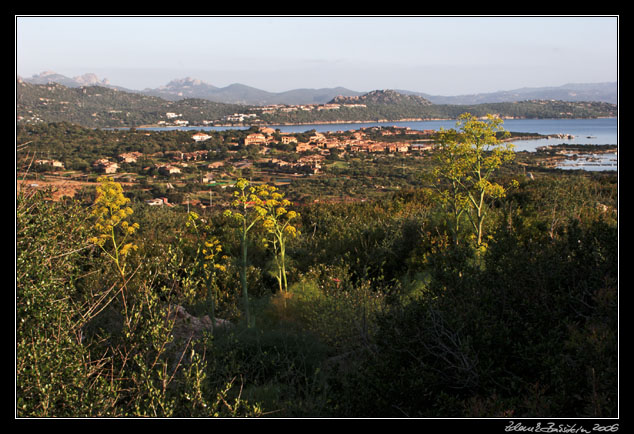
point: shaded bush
(530, 333)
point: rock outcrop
(190, 326)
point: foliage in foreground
(90, 342)
(383, 314)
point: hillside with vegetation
(464, 282)
(102, 107)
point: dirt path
(60, 187)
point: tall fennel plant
(111, 226)
(279, 227)
(248, 210)
(208, 257)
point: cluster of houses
(284, 108)
(311, 153)
(176, 118)
(360, 143)
(318, 146)
(310, 164)
(52, 163)
(304, 107)
(104, 165)
(315, 151)
(357, 143)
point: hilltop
(382, 97)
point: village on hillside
(278, 157)
(254, 114)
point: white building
(201, 137)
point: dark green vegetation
(389, 312)
(103, 107)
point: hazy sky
(435, 55)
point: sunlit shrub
(131, 366)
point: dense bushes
(527, 330)
(384, 316)
(508, 335)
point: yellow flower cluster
(110, 211)
(126, 248)
(211, 251)
(212, 247)
(291, 230)
(251, 197)
(270, 207)
(220, 267)
(242, 183)
(268, 223)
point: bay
(602, 131)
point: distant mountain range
(188, 87)
(575, 92)
(82, 80)
(241, 94)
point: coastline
(290, 124)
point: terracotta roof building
(255, 139)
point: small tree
(248, 211)
(467, 159)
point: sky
(437, 55)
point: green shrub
(57, 373)
(89, 346)
(278, 369)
